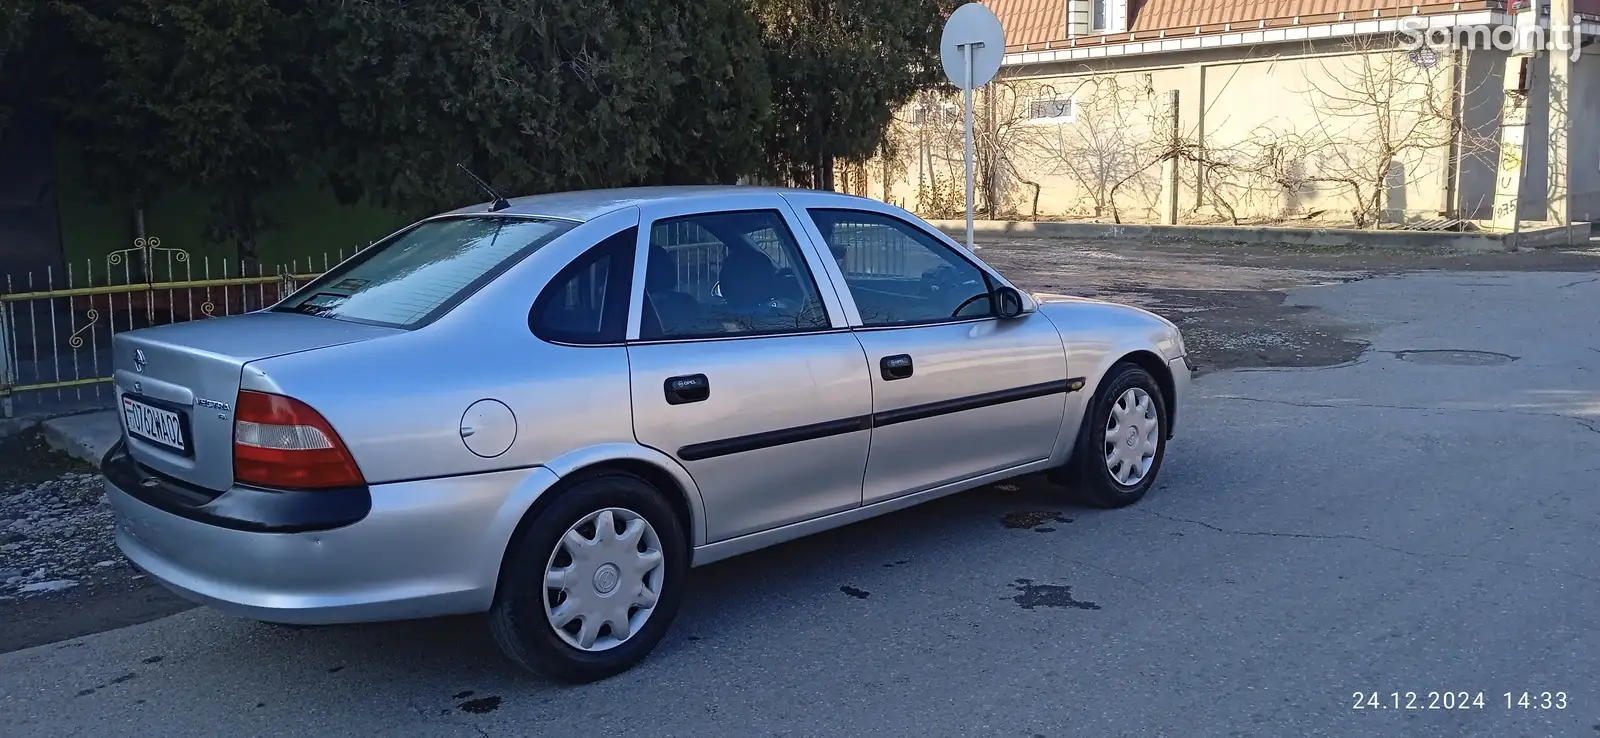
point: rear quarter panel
(398, 402)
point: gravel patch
(1232, 315)
(55, 522)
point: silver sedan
(547, 410)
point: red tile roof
(1031, 21)
(1158, 14)
(1039, 22)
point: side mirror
(1008, 302)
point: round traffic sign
(973, 25)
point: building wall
(1484, 96)
(1326, 109)
(1584, 143)
(1315, 106)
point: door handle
(895, 367)
(687, 388)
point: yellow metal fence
(56, 326)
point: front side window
(418, 276)
(727, 274)
(899, 275)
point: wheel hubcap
(603, 579)
(1133, 432)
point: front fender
(1097, 335)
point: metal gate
(56, 327)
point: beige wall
(1316, 107)
(1584, 142)
(1484, 96)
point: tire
(521, 619)
(1089, 475)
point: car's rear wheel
(593, 582)
(1122, 441)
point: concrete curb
(26, 422)
(1577, 233)
(87, 436)
(12, 426)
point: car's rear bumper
(423, 549)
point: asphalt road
(1385, 485)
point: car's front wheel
(1122, 440)
(593, 582)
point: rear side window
(418, 276)
(587, 303)
(737, 273)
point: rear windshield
(418, 276)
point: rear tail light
(282, 443)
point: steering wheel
(964, 303)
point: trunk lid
(176, 385)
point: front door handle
(687, 388)
(895, 367)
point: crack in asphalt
(1369, 542)
(1341, 365)
(1585, 422)
(1581, 281)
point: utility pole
(1514, 123)
(1169, 168)
(1560, 49)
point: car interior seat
(748, 278)
(674, 311)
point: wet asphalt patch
(1037, 520)
(481, 705)
(1032, 596)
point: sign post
(971, 48)
(971, 155)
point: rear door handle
(687, 388)
(895, 367)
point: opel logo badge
(138, 360)
(606, 578)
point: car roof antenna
(500, 202)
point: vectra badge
(213, 404)
(138, 360)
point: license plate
(162, 427)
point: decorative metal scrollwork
(208, 309)
(147, 248)
(76, 339)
